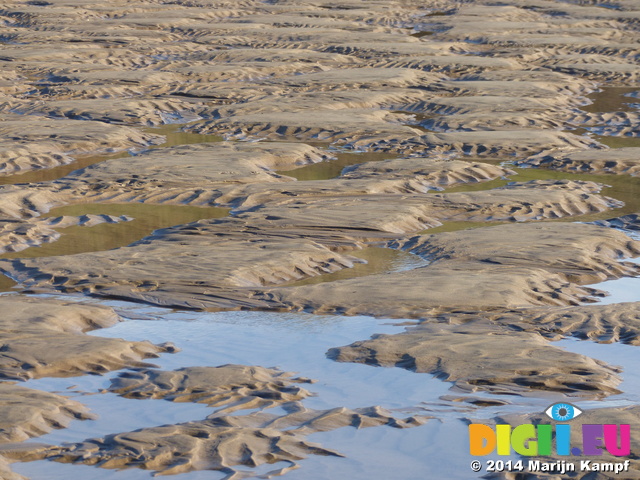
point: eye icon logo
(563, 412)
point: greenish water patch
(333, 168)
(618, 142)
(421, 34)
(6, 284)
(51, 174)
(379, 260)
(173, 136)
(106, 236)
(610, 99)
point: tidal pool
(379, 260)
(333, 168)
(173, 136)
(106, 236)
(294, 342)
(611, 99)
(620, 290)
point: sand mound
(419, 292)
(118, 111)
(581, 253)
(619, 161)
(430, 171)
(335, 126)
(26, 413)
(43, 337)
(504, 143)
(26, 356)
(209, 164)
(242, 257)
(498, 266)
(363, 183)
(52, 315)
(451, 353)
(232, 386)
(387, 98)
(253, 252)
(618, 322)
(34, 142)
(408, 213)
(219, 443)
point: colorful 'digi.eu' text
(532, 440)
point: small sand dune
(26, 351)
(450, 352)
(232, 386)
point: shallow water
(297, 343)
(618, 142)
(625, 356)
(379, 260)
(621, 187)
(173, 136)
(611, 99)
(106, 236)
(625, 289)
(333, 168)
(291, 342)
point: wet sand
(266, 185)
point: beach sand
(389, 215)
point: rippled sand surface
(312, 239)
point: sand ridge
(437, 349)
(217, 443)
(232, 386)
(26, 354)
